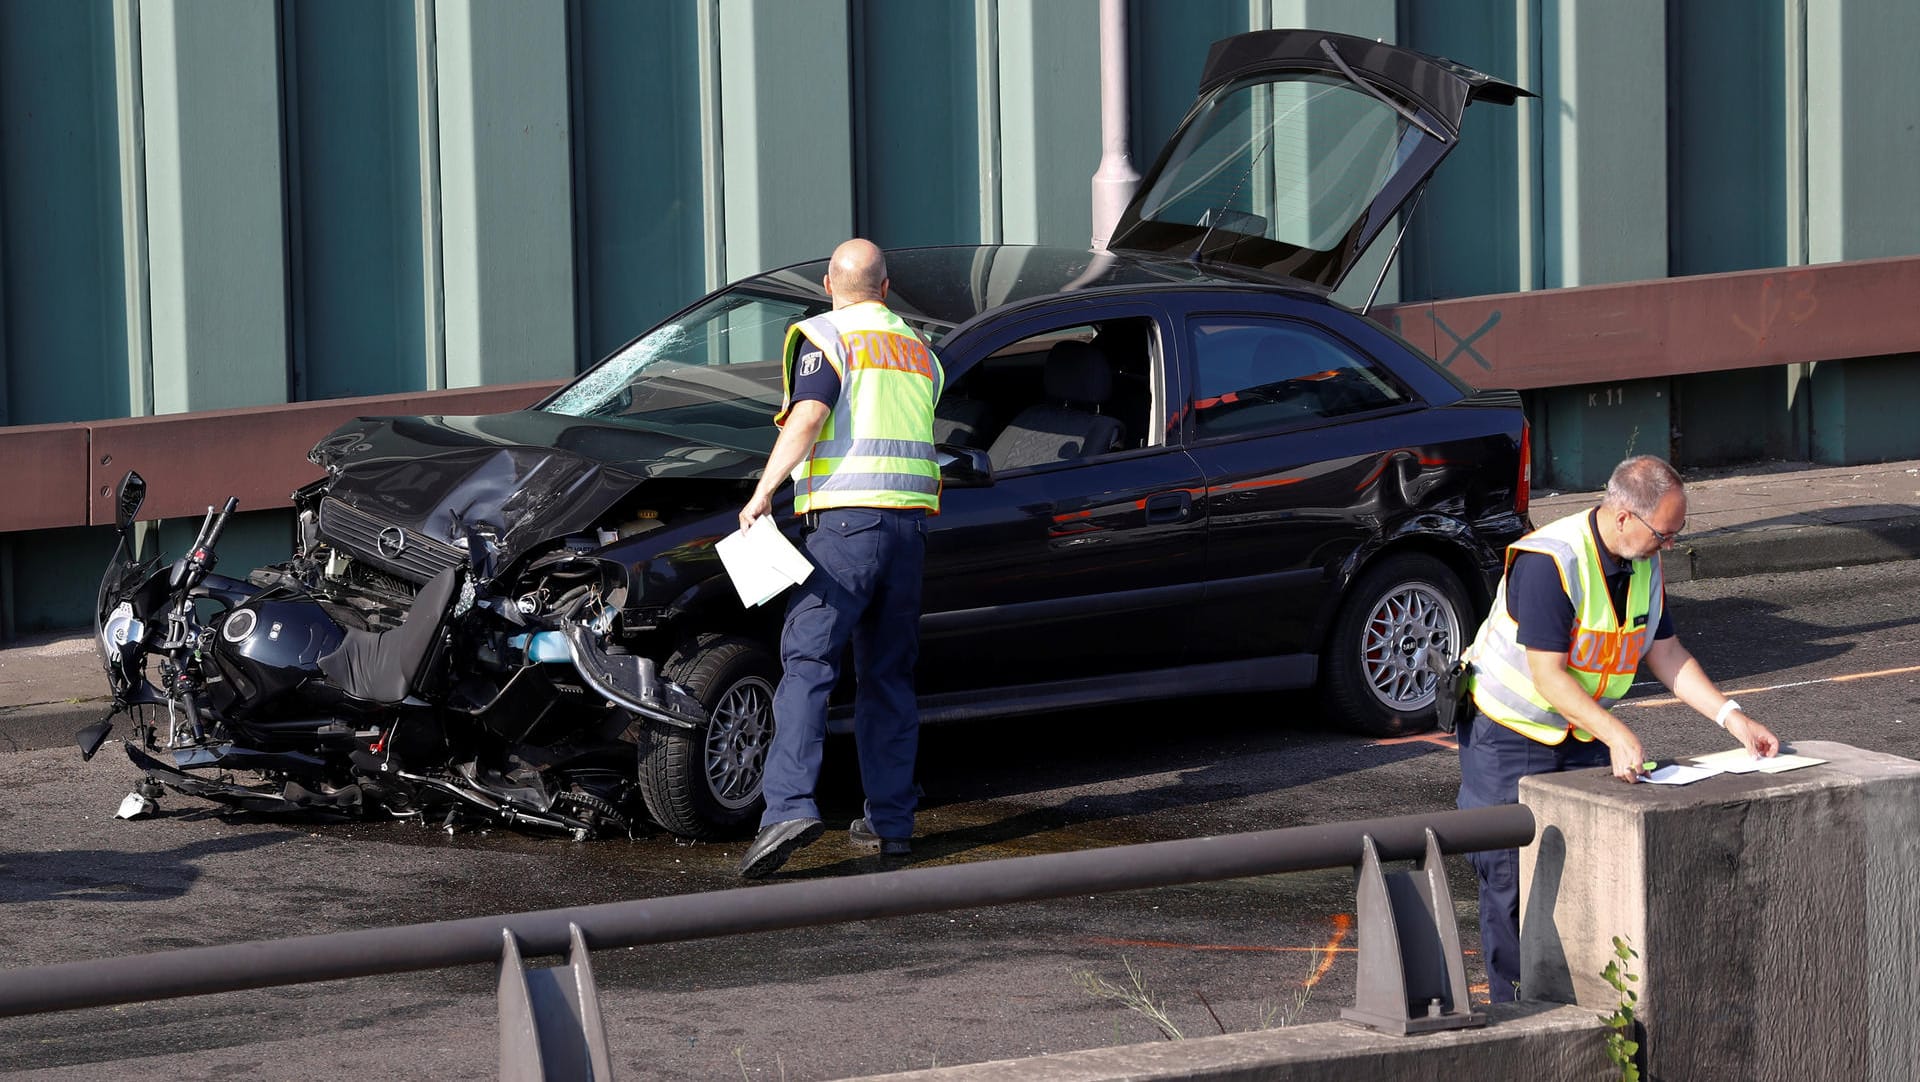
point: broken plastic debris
(135, 806)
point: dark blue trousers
(1493, 759)
(865, 589)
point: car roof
(945, 287)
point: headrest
(1077, 372)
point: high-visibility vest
(1604, 653)
(876, 448)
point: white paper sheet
(762, 562)
(1786, 761)
(1679, 774)
(1734, 761)
(1740, 761)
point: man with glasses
(1581, 608)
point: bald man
(857, 440)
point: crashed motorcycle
(281, 693)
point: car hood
(1301, 146)
(518, 478)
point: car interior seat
(1077, 380)
(960, 421)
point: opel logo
(393, 542)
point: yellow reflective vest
(1605, 652)
(876, 448)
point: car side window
(1257, 374)
(1068, 394)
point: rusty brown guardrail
(1544, 338)
(1671, 326)
(258, 453)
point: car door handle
(1170, 506)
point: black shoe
(775, 844)
(863, 837)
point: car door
(1082, 568)
(1292, 426)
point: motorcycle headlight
(119, 629)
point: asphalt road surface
(1831, 655)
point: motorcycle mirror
(133, 493)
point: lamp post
(1114, 182)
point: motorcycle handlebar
(193, 567)
(219, 526)
(200, 539)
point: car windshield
(711, 375)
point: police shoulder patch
(810, 363)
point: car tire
(1376, 679)
(705, 783)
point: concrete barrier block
(1777, 916)
(1523, 1040)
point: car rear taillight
(1523, 489)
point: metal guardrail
(257, 453)
(1620, 331)
(1409, 950)
(1540, 338)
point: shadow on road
(1213, 749)
(1738, 637)
(109, 875)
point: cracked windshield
(713, 375)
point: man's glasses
(1664, 538)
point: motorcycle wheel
(706, 783)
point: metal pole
(1116, 179)
(227, 968)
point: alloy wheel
(1408, 626)
(737, 739)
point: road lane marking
(1841, 679)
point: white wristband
(1726, 708)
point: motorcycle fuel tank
(269, 646)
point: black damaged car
(1170, 467)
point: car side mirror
(133, 493)
(963, 467)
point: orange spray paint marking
(1342, 924)
(1108, 941)
(1438, 740)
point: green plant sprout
(1621, 1047)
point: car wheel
(1377, 678)
(706, 783)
